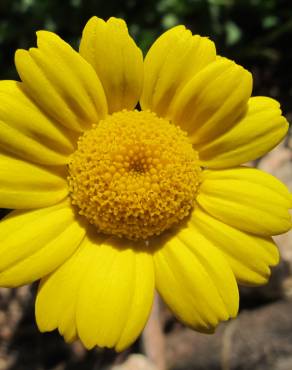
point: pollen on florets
(134, 175)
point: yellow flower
(113, 202)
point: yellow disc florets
(134, 175)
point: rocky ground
(259, 339)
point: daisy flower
(126, 176)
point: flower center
(134, 175)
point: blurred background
(256, 34)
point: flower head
(113, 201)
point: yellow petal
(141, 301)
(257, 132)
(27, 132)
(195, 281)
(55, 305)
(248, 255)
(25, 185)
(212, 101)
(174, 58)
(215, 265)
(34, 243)
(247, 199)
(116, 59)
(62, 83)
(103, 294)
